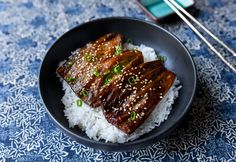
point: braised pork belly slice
(84, 59)
(129, 112)
(105, 73)
(120, 88)
(109, 71)
(79, 69)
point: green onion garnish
(132, 80)
(162, 58)
(70, 63)
(79, 102)
(118, 50)
(129, 40)
(133, 115)
(95, 72)
(117, 69)
(88, 57)
(107, 80)
(70, 79)
(83, 93)
(107, 72)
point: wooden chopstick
(175, 8)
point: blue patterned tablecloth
(29, 28)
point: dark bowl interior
(141, 32)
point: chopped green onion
(107, 80)
(95, 72)
(70, 79)
(162, 58)
(118, 50)
(70, 63)
(133, 115)
(132, 80)
(129, 41)
(79, 102)
(107, 72)
(88, 57)
(83, 93)
(117, 69)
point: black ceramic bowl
(141, 32)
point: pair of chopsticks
(178, 9)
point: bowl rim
(108, 146)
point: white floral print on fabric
(29, 28)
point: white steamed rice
(95, 125)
